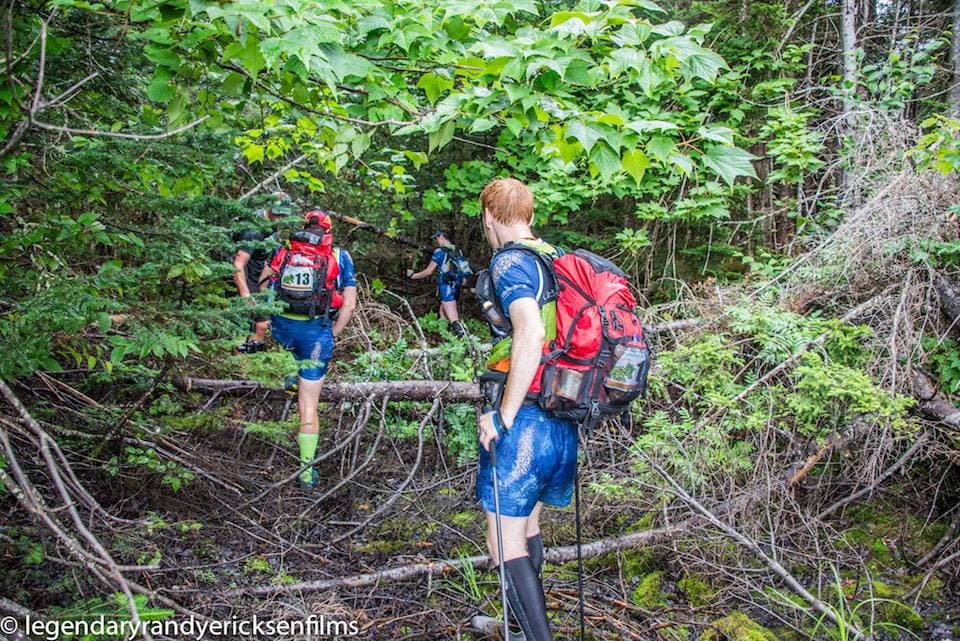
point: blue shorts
(448, 292)
(536, 461)
(311, 342)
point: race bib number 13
(297, 279)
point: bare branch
(430, 568)
(119, 134)
(293, 163)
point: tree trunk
(848, 34)
(955, 49)
(335, 392)
(933, 403)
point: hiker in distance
(536, 456)
(318, 284)
(452, 268)
(248, 263)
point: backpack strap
(545, 261)
(286, 257)
(445, 265)
(336, 257)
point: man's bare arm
(240, 272)
(525, 351)
(266, 274)
(346, 311)
(425, 272)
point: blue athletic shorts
(448, 292)
(311, 342)
(536, 461)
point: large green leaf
(248, 55)
(439, 138)
(624, 59)
(717, 133)
(587, 134)
(160, 88)
(434, 84)
(729, 162)
(604, 160)
(635, 163)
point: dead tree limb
(932, 402)
(943, 542)
(949, 300)
(17, 610)
(342, 443)
(380, 231)
(816, 604)
(903, 460)
(396, 493)
(336, 392)
(430, 568)
(266, 181)
(99, 560)
(929, 575)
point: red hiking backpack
(307, 277)
(597, 361)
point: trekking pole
(576, 502)
(503, 570)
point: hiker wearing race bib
(536, 456)
(253, 251)
(317, 283)
(451, 268)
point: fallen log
(949, 301)
(405, 572)
(336, 392)
(932, 402)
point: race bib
(297, 279)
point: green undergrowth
(820, 395)
(278, 432)
(696, 590)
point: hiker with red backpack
(570, 352)
(317, 283)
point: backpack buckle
(594, 409)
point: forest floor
(389, 500)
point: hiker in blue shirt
(451, 269)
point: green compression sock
(308, 451)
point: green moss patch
(890, 610)
(649, 592)
(697, 591)
(737, 626)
